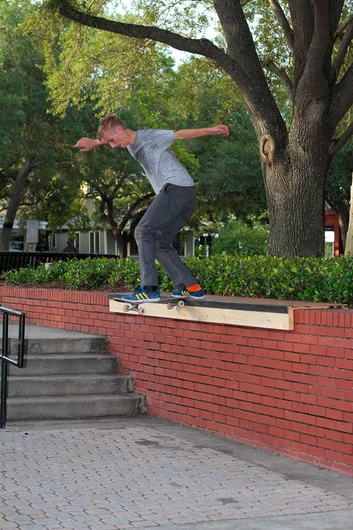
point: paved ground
(151, 474)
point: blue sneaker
(184, 293)
(142, 296)
(180, 293)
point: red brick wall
(287, 391)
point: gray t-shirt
(150, 149)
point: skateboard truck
(134, 307)
(174, 303)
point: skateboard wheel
(126, 308)
(181, 303)
(141, 310)
(170, 305)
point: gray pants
(166, 216)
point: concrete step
(74, 407)
(40, 339)
(63, 345)
(61, 385)
(90, 363)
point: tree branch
(342, 98)
(283, 22)
(103, 216)
(282, 75)
(118, 185)
(110, 215)
(198, 46)
(346, 41)
(338, 143)
(336, 9)
(32, 203)
(321, 35)
(249, 75)
(341, 29)
(35, 161)
(303, 27)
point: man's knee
(142, 232)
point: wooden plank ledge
(236, 311)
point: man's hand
(219, 129)
(88, 143)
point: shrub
(310, 279)
(79, 274)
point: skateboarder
(169, 211)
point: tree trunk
(15, 201)
(116, 228)
(343, 220)
(294, 182)
(120, 241)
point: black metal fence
(17, 260)
(5, 356)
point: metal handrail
(5, 355)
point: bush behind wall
(310, 279)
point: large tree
(302, 46)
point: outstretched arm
(188, 134)
(89, 143)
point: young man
(169, 211)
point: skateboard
(136, 306)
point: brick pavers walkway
(148, 473)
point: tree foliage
(237, 237)
(36, 170)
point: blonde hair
(108, 123)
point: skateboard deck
(136, 306)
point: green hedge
(91, 273)
(310, 279)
